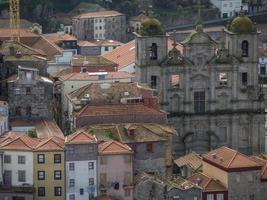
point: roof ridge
(236, 152)
(80, 131)
(210, 179)
(46, 141)
(20, 138)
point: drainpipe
(2, 166)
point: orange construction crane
(14, 19)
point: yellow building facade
(49, 170)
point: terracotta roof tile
(109, 13)
(106, 42)
(84, 43)
(51, 144)
(207, 183)
(19, 142)
(90, 77)
(103, 92)
(55, 37)
(5, 33)
(113, 147)
(124, 55)
(264, 156)
(229, 159)
(143, 132)
(192, 160)
(48, 47)
(44, 128)
(93, 61)
(263, 163)
(118, 109)
(80, 137)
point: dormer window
(244, 47)
(154, 51)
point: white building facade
(18, 168)
(81, 179)
(81, 166)
(228, 8)
(61, 62)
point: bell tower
(242, 38)
(151, 47)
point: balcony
(17, 189)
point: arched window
(244, 47)
(154, 51)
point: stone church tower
(211, 90)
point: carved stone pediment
(199, 77)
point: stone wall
(39, 98)
(150, 162)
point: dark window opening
(153, 82)
(28, 90)
(41, 175)
(58, 191)
(149, 147)
(57, 175)
(199, 102)
(41, 158)
(244, 47)
(244, 78)
(57, 158)
(154, 51)
(263, 70)
(41, 191)
(81, 191)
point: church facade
(211, 91)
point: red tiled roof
(55, 37)
(207, 183)
(263, 163)
(109, 13)
(125, 55)
(264, 156)
(51, 144)
(118, 109)
(20, 141)
(88, 77)
(84, 43)
(44, 128)
(48, 47)
(6, 33)
(192, 159)
(106, 42)
(80, 137)
(113, 147)
(230, 160)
